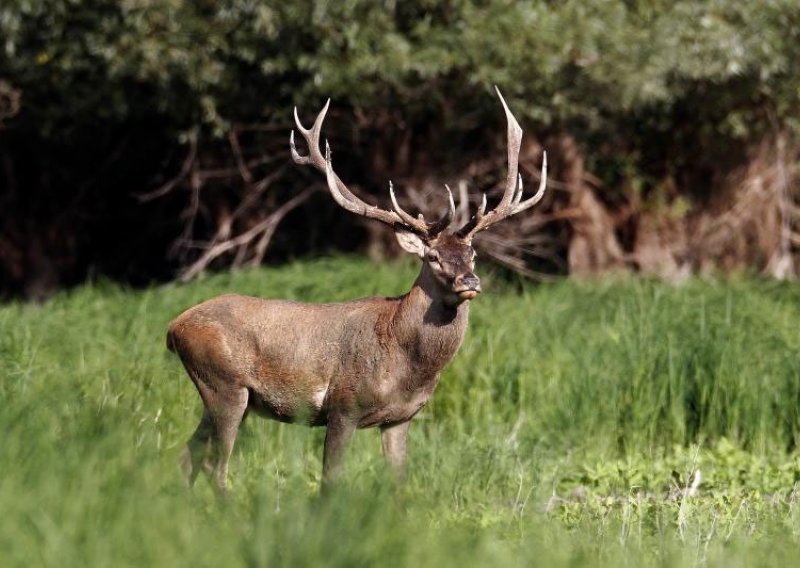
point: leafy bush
(112, 94)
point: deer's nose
(467, 281)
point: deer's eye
(433, 256)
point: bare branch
(265, 229)
(188, 163)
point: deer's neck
(429, 329)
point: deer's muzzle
(467, 286)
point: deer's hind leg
(196, 454)
(212, 443)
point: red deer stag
(368, 362)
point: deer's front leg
(337, 437)
(394, 439)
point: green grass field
(566, 432)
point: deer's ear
(411, 242)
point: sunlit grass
(565, 432)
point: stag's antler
(511, 203)
(348, 200)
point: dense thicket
(142, 139)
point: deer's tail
(170, 340)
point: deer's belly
(395, 409)
(289, 405)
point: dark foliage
(658, 116)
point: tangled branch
(227, 191)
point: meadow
(610, 422)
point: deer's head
(447, 254)
(449, 259)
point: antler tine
(442, 224)
(475, 221)
(482, 208)
(514, 142)
(537, 197)
(299, 124)
(451, 202)
(298, 159)
(517, 193)
(511, 202)
(339, 191)
(418, 225)
(355, 205)
(429, 230)
(317, 128)
(315, 157)
(311, 136)
(347, 199)
(462, 209)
